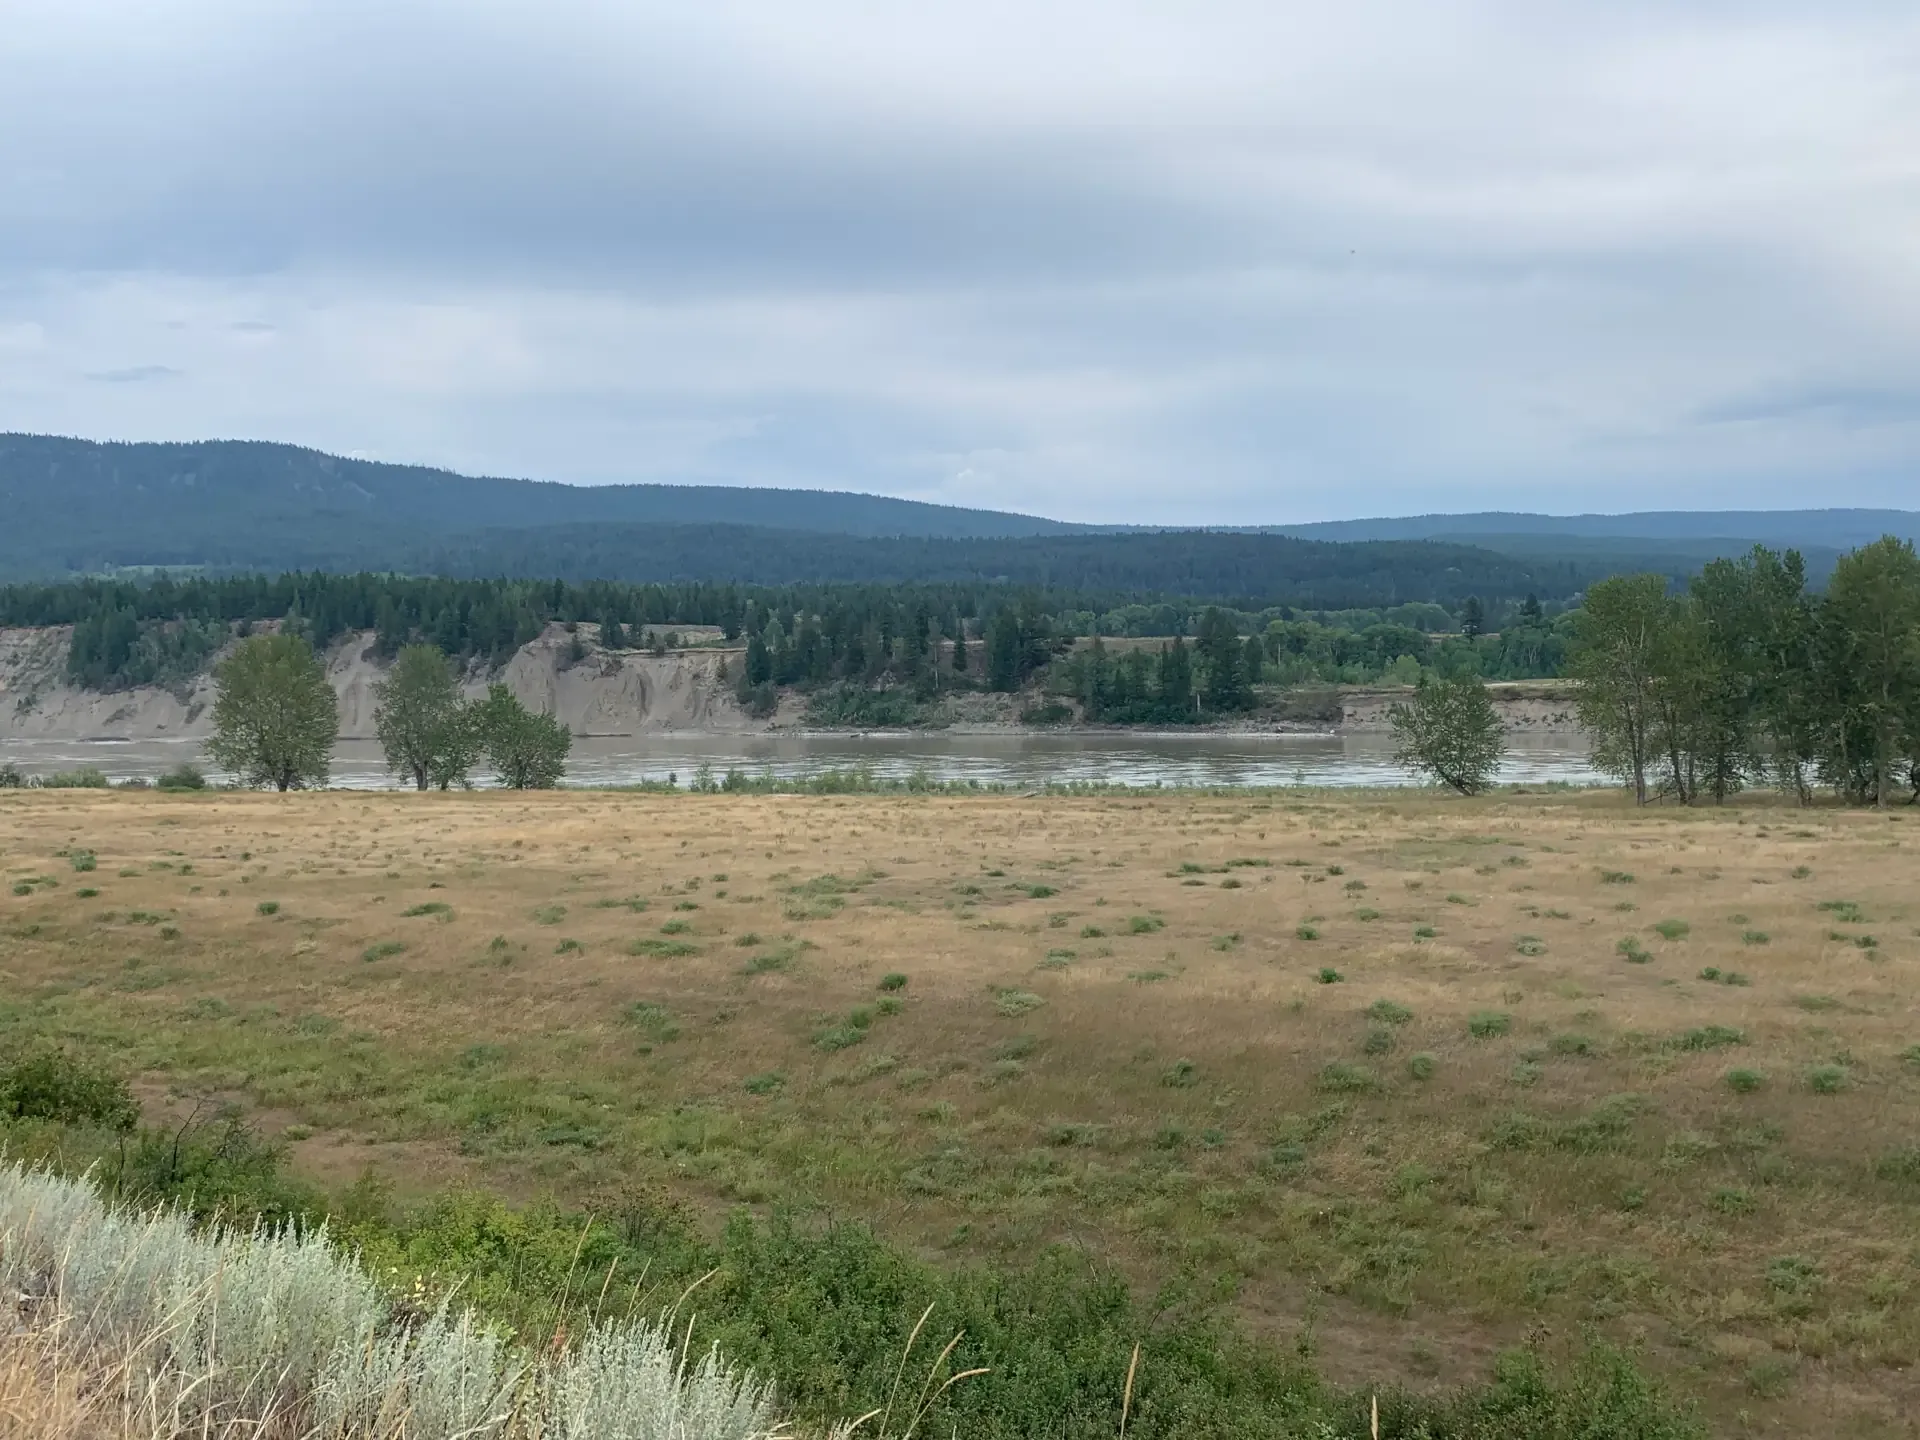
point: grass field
(1397, 1079)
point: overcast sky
(1222, 262)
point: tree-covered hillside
(82, 505)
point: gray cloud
(1240, 262)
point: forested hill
(84, 505)
(1256, 570)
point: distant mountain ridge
(78, 504)
(1838, 529)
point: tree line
(164, 631)
(1745, 677)
(1748, 677)
(276, 720)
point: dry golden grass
(1181, 1092)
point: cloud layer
(1226, 262)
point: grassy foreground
(1383, 1082)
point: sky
(1220, 262)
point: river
(1017, 758)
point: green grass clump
(1389, 1012)
(1715, 975)
(1530, 945)
(676, 927)
(1144, 924)
(385, 950)
(655, 1022)
(1673, 929)
(662, 949)
(1489, 1024)
(1305, 932)
(1014, 1003)
(1743, 1081)
(841, 1035)
(82, 860)
(550, 914)
(569, 947)
(1616, 877)
(1378, 1042)
(1901, 1167)
(1633, 952)
(1040, 892)
(1754, 937)
(1329, 976)
(1366, 912)
(1847, 912)
(431, 907)
(1710, 1037)
(1180, 1075)
(1424, 932)
(893, 981)
(86, 892)
(1422, 1066)
(764, 1084)
(1092, 932)
(267, 907)
(1827, 1079)
(1569, 1043)
(1341, 1077)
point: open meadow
(1395, 1080)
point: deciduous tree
(1451, 732)
(275, 717)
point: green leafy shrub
(52, 1084)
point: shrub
(1754, 937)
(182, 777)
(1342, 1077)
(385, 950)
(1827, 1079)
(1015, 1003)
(1633, 952)
(1144, 924)
(267, 907)
(87, 777)
(82, 860)
(1489, 1024)
(1329, 976)
(894, 981)
(1673, 929)
(1389, 1012)
(1744, 1082)
(1421, 1066)
(1305, 932)
(1710, 1037)
(50, 1084)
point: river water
(1024, 758)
